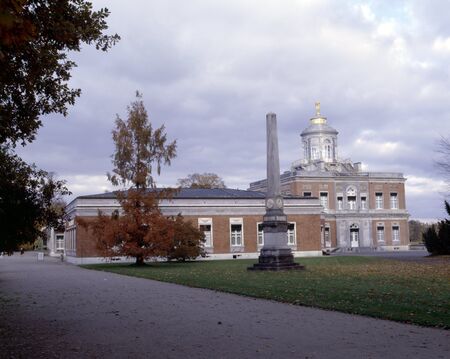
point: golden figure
(318, 109)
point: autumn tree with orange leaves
(139, 229)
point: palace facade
(331, 205)
(230, 219)
(361, 209)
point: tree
(416, 230)
(437, 237)
(27, 201)
(188, 241)
(139, 230)
(204, 180)
(139, 150)
(35, 37)
(443, 163)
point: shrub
(188, 241)
(437, 237)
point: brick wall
(299, 187)
(403, 227)
(86, 243)
(307, 234)
(387, 189)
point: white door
(354, 238)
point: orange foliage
(141, 231)
(187, 241)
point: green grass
(409, 292)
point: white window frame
(292, 234)
(207, 222)
(351, 192)
(380, 232)
(340, 202)
(363, 202)
(379, 200)
(315, 153)
(396, 238)
(324, 202)
(327, 229)
(351, 204)
(259, 235)
(237, 221)
(59, 243)
(393, 200)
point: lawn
(409, 292)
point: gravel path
(51, 309)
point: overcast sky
(211, 70)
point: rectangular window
(315, 153)
(206, 229)
(205, 225)
(379, 200)
(351, 201)
(326, 236)
(339, 203)
(59, 242)
(394, 201)
(363, 203)
(380, 233)
(260, 234)
(291, 234)
(324, 199)
(395, 233)
(306, 194)
(236, 232)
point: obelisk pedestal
(275, 254)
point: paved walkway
(51, 309)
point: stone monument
(275, 254)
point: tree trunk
(140, 260)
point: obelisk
(275, 254)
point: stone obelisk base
(275, 256)
(276, 260)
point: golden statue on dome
(318, 119)
(318, 109)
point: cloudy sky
(211, 70)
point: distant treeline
(416, 230)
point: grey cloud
(210, 71)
